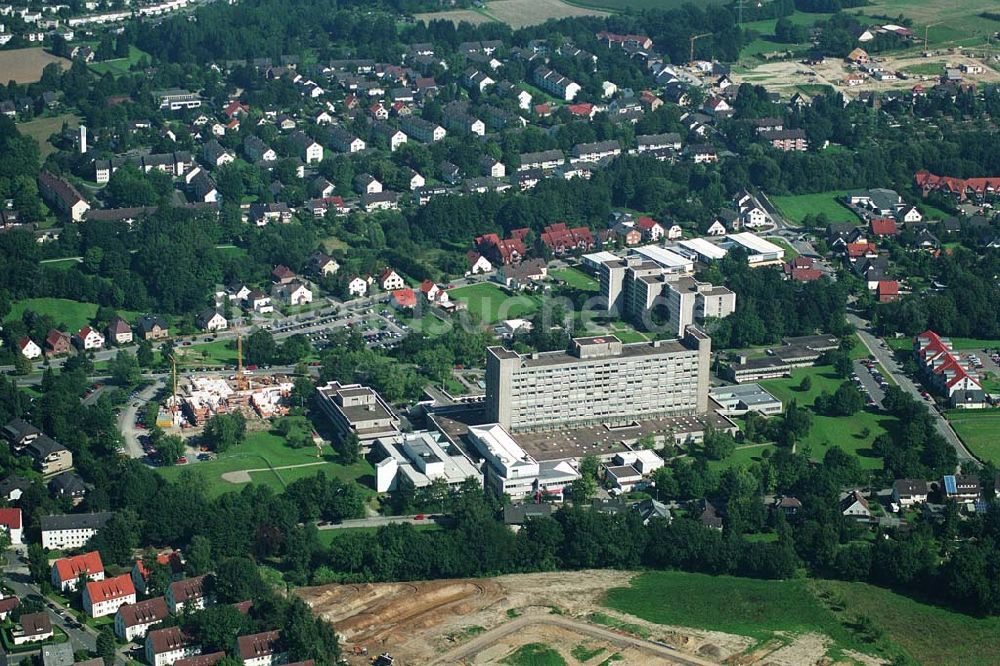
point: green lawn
(763, 609)
(208, 354)
(622, 5)
(263, 449)
(326, 537)
(119, 66)
(796, 207)
(980, 431)
(790, 252)
(925, 69)
(534, 654)
(576, 278)
(743, 456)
(60, 264)
(829, 431)
(68, 315)
(950, 22)
(492, 304)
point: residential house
(702, 153)
(518, 277)
(392, 136)
(7, 606)
(887, 291)
(909, 215)
(345, 142)
(119, 332)
(560, 239)
(658, 142)
(62, 196)
(57, 343)
(70, 531)
(13, 487)
(105, 597)
(257, 151)
(308, 149)
(134, 620)
(595, 152)
(492, 168)
(263, 649)
(293, 293)
(387, 200)
(188, 593)
(403, 298)
(322, 264)
(787, 139)
(34, 627)
(947, 371)
(261, 214)
(907, 492)
(422, 130)
(88, 338)
(28, 348)
(883, 226)
(216, 155)
(390, 280)
(650, 229)
(259, 302)
(433, 293)
(167, 646)
(212, 320)
(357, 286)
(855, 506)
(10, 522)
(556, 84)
(478, 264)
(961, 487)
(152, 327)
(68, 485)
(169, 559)
(366, 183)
(546, 159)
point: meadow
(978, 430)
(69, 316)
(40, 129)
(26, 65)
(491, 304)
(795, 207)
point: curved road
(485, 640)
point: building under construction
(200, 398)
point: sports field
(795, 207)
(978, 430)
(26, 65)
(264, 458)
(491, 304)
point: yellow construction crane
(240, 380)
(695, 38)
(173, 381)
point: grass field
(516, 13)
(492, 304)
(69, 316)
(925, 69)
(949, 21)
(742, 456)
(576, 278)
(326, 537)
(534, 654)
(829, 431)
(208, 354)
(26, 65)
(40, 129)
(796, 207)
(119, 66)
(790, 252)
(60, 264)
(980, 431)
(261, 450)
(763, 609)
(621, 5)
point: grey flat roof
(75, 521)
(633, 350)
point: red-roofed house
(805, 274)
(477, 263)
(582, 110)
(651, 229)
(282, 274)
(105, 597)
(7, 605)
(263, 649)
(57, 342)
(560, 239)
(66, 571)
(650, 100)
(403, 298)
(433, 293)
(860, 249)
(948, 372)
(883, 226)
(134, 620)
(235, 108)
(543, 110)
(10, 520)
(502, 251)
(88, 338)
(28, 348)
(962, 188)
(887, 291)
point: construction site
(483, 621)
(195, 399)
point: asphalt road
(885, 357)
(485, 640)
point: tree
(124, 369)
(260, 348)
(719, 444)
(106, 647)
(119, 538)
(199, 555)
(144, 354)
(170, 448)
(806, 384)
(218, 626)
(38, 564)
(238, 579)
(350, 449)
(224, 431)
(589, 465)
(582, 489)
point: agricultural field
(849, 433)
(622, 5)
(26, 65)
(40, 129)
(491, 304)
(516, 13)
(951, 23)
(978, 430)
(264, 458)
(795, 207)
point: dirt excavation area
(493, 620)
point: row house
(545, 160)
(503, 251)
(476, 80)
(62, 196)
(257, 151)
(657, 142)
(344, 141)
(595, 152)
(787, 139)
(556, 84)
(950, 373)
(462, 123)
(422, 130)
(393, 137)
(561, 239)
(176, 164)
(68, 571)
(977, 188)
(134, 620)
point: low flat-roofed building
(357, 409)
(421, 457)
(623, 477)
(511, 471)
(741, 398)
(760, 252)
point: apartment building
(188, 593)
(67, 571)
(134, 620)
(556, 84)
(263, 649)
(599, 380)
(69, 531)
(105, 597)
(166, 646)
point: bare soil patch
(26, 65)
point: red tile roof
(404, 298)
(647, 223)
(70, 568)
(806, 274)
(884, 226)
(258, 645)
(145, 612)
(860, 249)
(111, 588)
(888, 287)
(10, 518)
(559, 238)
(172, 560)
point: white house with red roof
(10, 520)
(67, 571)
(28, 348)
(105, 597)
(134, 620)
(651, 229)
(949, 372)
(89, 338)
(263, 649)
